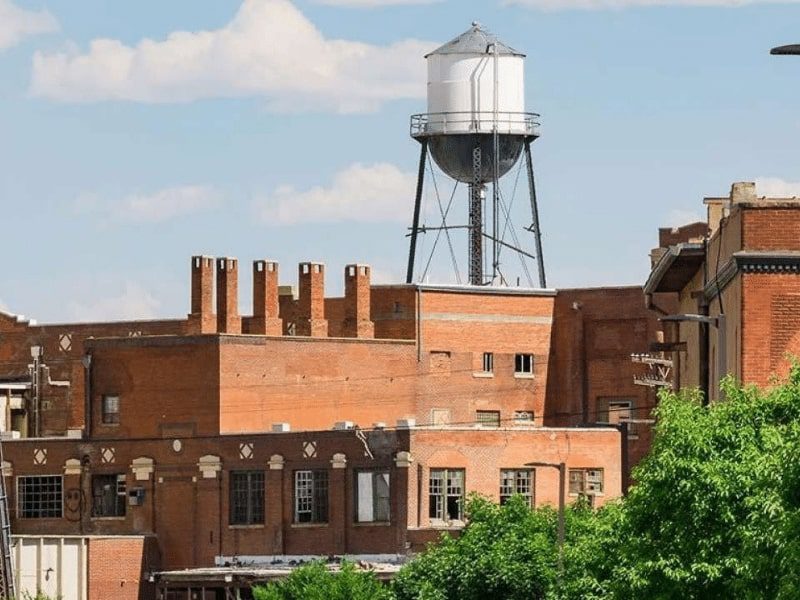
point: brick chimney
(357, 302)
(228, 320)
(202, 319)
(311, 304)
(265, 299)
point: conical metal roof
(475, 40)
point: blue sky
(134, 135)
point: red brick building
(743, 265)
(314, 426)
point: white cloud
(774, 187)
(17, 23)
(161, 205)
(374, 3)
(132, 303)
(612, 4)
(269, 49)
(679, 217)
(365, 193)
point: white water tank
(472, 80)
(476, 86)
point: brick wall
(119, 566)
(770, 325)
(483, 453)
(188, 509)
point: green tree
(504, 552)
(315, 582)
(714, 511)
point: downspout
(580, 342)
(419, 325)
(702, 333)
(87, 393)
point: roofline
(472, 289)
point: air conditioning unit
(343, 425)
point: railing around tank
(516, 123)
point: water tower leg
(412, 250)
(537, 232)
(476, 220)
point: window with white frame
(586, 481)
(516, 481)
(488, 362)
(311, 496)
(488, 418)
(523, 364)
(246, 497)
(109, 495)
(372, 496)
(110, 410)
(40, 496)
(446, 495)
(523, 417)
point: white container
(475, 81)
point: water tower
(476, 129)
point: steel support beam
(412, 250)
(537, 231)
(476, 220)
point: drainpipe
(580, 342)
(419, 324)
(702, 353)
(87, 394)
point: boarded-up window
(440, 363)
(372, 496)
(615, 411)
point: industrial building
(314, 426)
(186, 458)
(735, 279)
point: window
(372, 496)
(616, 411)
(488, 418)
(446, 494)
(110, 410)
(523, 417)
(516, 481)
(440, 417)
(246, 497)
(488, 362)
(108, 495)
(586, 481)
(311, 496)
(40, 497)
(523, 364)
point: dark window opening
(40, 497)
(311, 496)
(246, 497)
(108, 495)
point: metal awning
(676, 268)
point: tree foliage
(316, 582)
